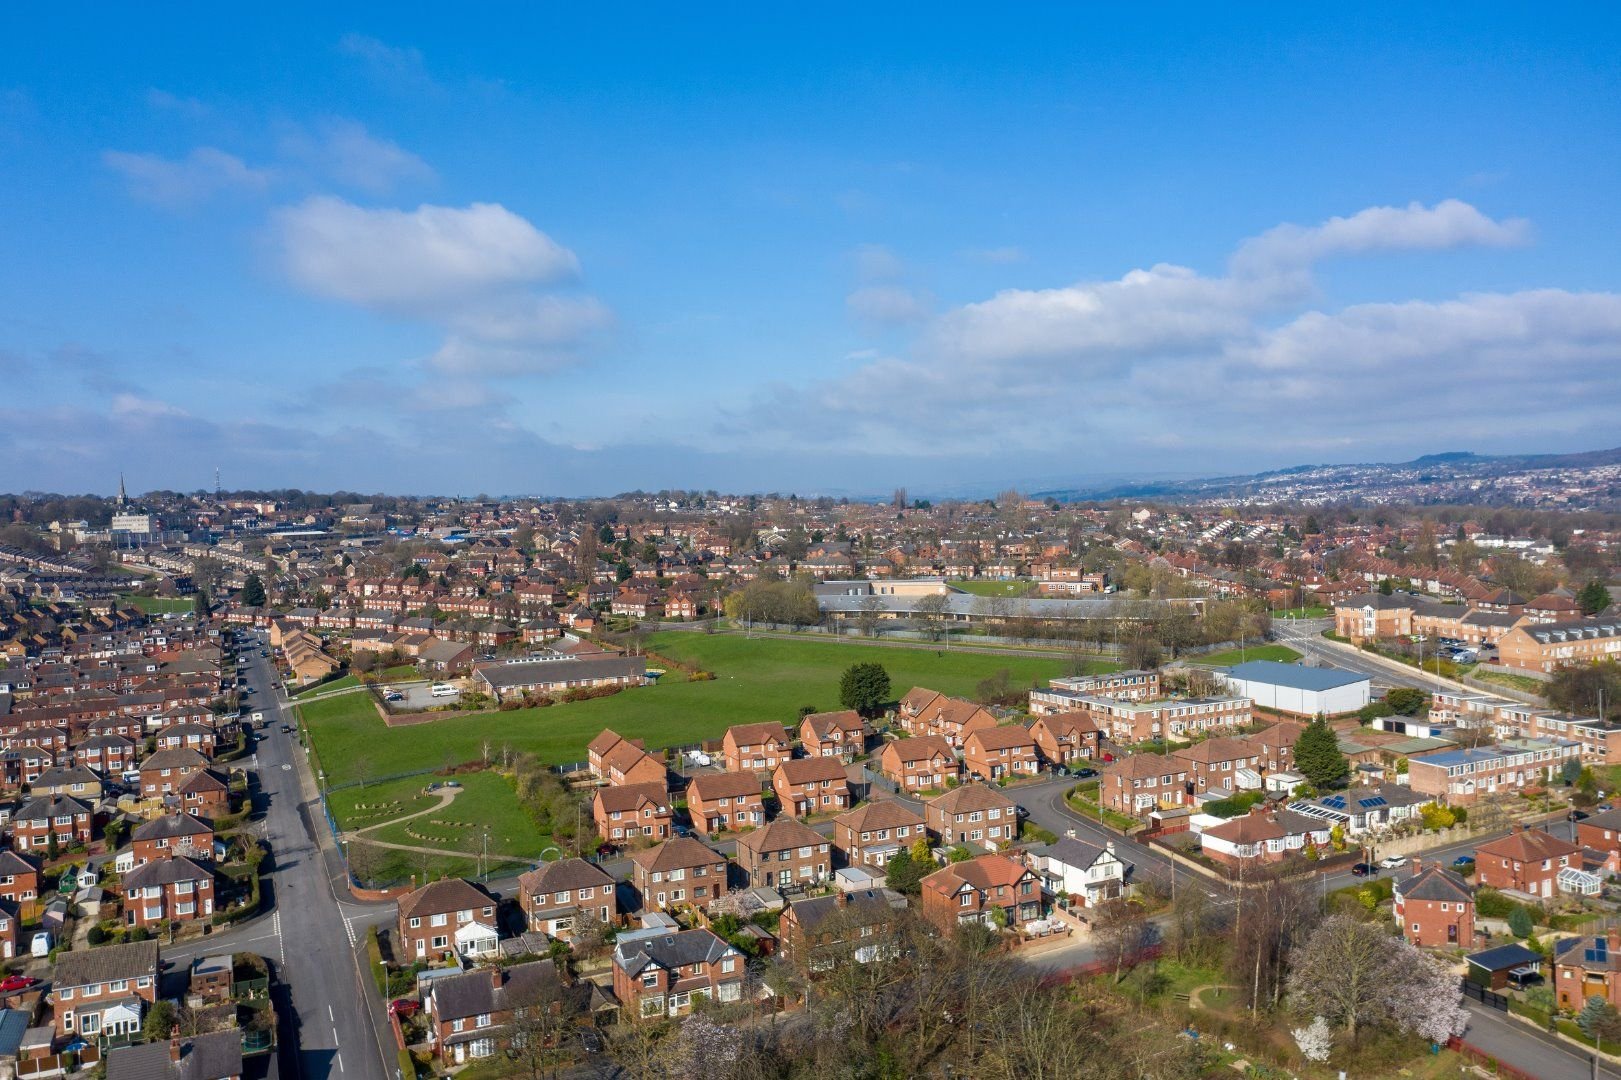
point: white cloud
(888, 304)
(477, 272)
(137, 408)
(199, 176)
(1246, 361)
(875, 262)
(433, 257)
(345, 152)
(1448, 224)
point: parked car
(1082, 772)
(681, 830)
(1392, 862)
(404, 1007)
(1579, 815)
(13, 983)
(1362, 869)
(1463, 861)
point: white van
(444, 689)
(42, 944)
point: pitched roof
(812, 769)
(630, 796)
(163, 872)
(750, 734)
(920, 747)
(1527, 845)
(677, 853)
(202, 1057)
(105, 963)
(634, 953)
(171, 826)
(179, 757)
(969, 798)
(723, 785)
(983, 873)
(866, 905)
(563, 875)
(1007, 737)
(778, 835)
(475, 993)
(823, 723)
(1434, 883)
(443, 897)
(881, 814)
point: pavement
(333, 1023)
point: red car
(13, 983)
(404, 1007)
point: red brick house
(1142, 783)
(171, 836)
(19, 879)
(469, 1014)
(1526, 860)
(1216, 762)
(167, 890)
(633, 812)
(812, 785)
(926, 712)
(628, 763)
(834, 734)
(971, 891)
(820, 932)
(1434, 907)
(205, 794)
(103, 992)
(921, 763)
(596, 752)
(676, 872)
(109, 755)
(165, 772)
(1588, 965)
(755, 747)
(553, 895)
(430, 917)
(972, 814)
(40, 819)
(992, 753)
(871, 834)
(1067, 737)
(657, 974)
(787, 853)
(729, 800)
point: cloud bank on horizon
(373, 314)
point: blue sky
(950, 249)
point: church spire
(122, 498)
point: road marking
(332, 1018)
(349, 928)
(339, 1057)
(281, 946)
(287, 768)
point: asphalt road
(1306, 636)
(335, 1009)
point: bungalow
(507, 681)
(1260, 837)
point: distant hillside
(1586, 480)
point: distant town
(571, 785)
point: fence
(1487, 997)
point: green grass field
(1303, 613)
(1281, 653)
(979, 587)
(757, 679)
(158, 605)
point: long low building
(1459, 777)
(1302, 691)
(1546, 648)
(848, 600)
(556, 676)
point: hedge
(374, 954)
(407, 1065)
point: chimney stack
(174, 1043)
(1614, 934)
(1418, 864)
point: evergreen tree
(253, 592)
(904, 873)
(1318, 757)
(1594, 597)
(864, 688)
(199, 605)
(1519, 922)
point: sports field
(756, 679)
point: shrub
(1519, 922)
(1491, 904)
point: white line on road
(339, 1057)
(332, 1018)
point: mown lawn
(757, 679)
(1281, 653)
(399, 671)
(486, 801)
(158, 605)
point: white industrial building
(1304, 691)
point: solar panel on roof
(1377, 800)
(1599, 953)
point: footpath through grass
(757, 680)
